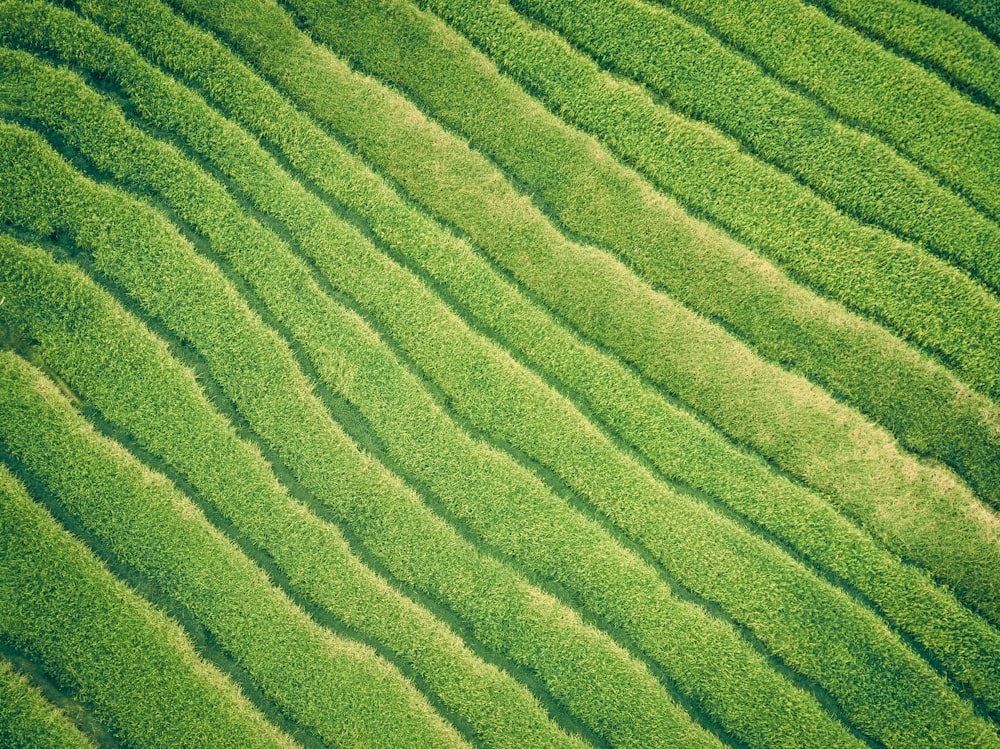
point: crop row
(27, 719)
(962, 642)
(133, 665)
(958, 52)
(795, 424)
(865, 84)
(502, 502)
(258, 372)
(702, 78)
(409, 424)
(117, 366)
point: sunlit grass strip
(125, 659)
(257, 370)
(911, 108)
(339, 688)
(702, 78)
(965, 644)
(980, 14)
(963, 56)
(919, 510)
(27, 719)
(114, 363)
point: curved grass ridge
(959, 53)
(349, 696)
(518, 510)
(258, 372)
(911, 108)
(980, 14)
(806, 431)
(121, 656)
(27, 719)
(702, 78)
(966, 645)
(112, 362)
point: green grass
(350, 694)
(962, 643)
(96, 637)
(27, 719)
(957, 52)
(704, 79)
(113, 362)
(788, 420)
(417, 546)
(912, 109)
(455, 406)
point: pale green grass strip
(116, 365)
(125, 659)
(866, 85)
(257, 370)
(702, 78)
(922, 512)
(677, 444)
(341, 689)
(418, 434)
(959, 53)
(27, 719)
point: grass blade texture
(501, 374)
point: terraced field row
(495, 374)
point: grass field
(500, 373)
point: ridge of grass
(699, 77)
(27, 719)
(117, 366)
(115, 651)
(960, 54)
(867, 86)
(347, 696)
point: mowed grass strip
(920, 296)
(922, 511)
(258, 372)
(866, 85)
(959, 53)
(677, 444)
(27, 719)
(115, 364)
(702, 78)
(504, 504)
(346, 693)
(123, 658)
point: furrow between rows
(30, 721)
